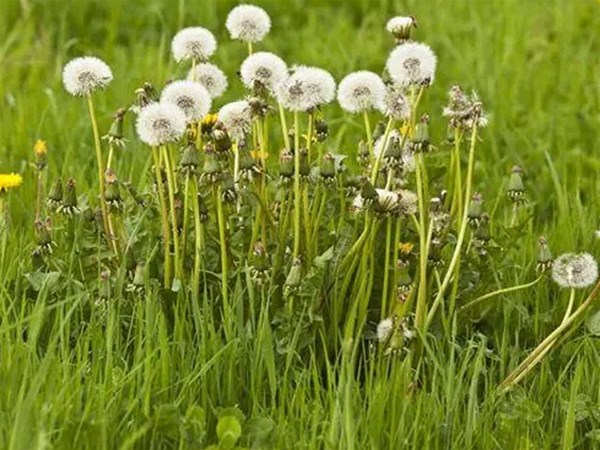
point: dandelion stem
(421, 310)
(198, 242)
(369, 134)
(171, 192)
(284, 128)
(386, 136)
(223, 246)
(570, 306)
(297, 193)
(164, 218)
(386, 267)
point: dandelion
(193, 98)
(400, 26)
(306, 88)
(195, 43)
(385, 329)
(248, 23)
(160, 123)
(82, 76)
(412, 63)
(263, 69)
(464, 111)
(361, 91)
(395, 104)
(388, 202)
(211, 77)
(9, 181)
(237, 118)
(407, 202)
(575, 271)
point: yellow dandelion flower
(259, 154)
(40, 148)
(210, 119)
(405, 247)
(405, 130)
(9, 181)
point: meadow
(99, 351)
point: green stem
(570, 306)
(171, 192)
(223, 246)
(379, 158)
(164, 219)
(386, 270)
(297, 193)
(198, 242)
(421, 311)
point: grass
(149, 371)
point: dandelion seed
(193, 43)
(263, 69)
(412, 63)
(248, 23)
(237, 118)
(384, 329)
(160, 123)
(306, 89)
(400, 26)
(82, 76)
(211, 77)
(193, 98)
(361, 91)
(9, 181)
(395, 104)
(575, 271)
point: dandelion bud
(221, 138)
(482, 234)
(260, 264)
(43, 235)
(41, 157)
(202, 208)
(194, 43)
(211, 77)
(211, 170)
(364, 155)
(115, 132)
(420, 140)
(286, 164)
(413, 64)
(112, 193)
(575, 271)
(352, 185)
(229, 193)
(248, 165)
(135, 195)
(327, 168)
(400, 27)
(292, 282)
(69, 205)
(190, 159)
(83, 76)
(55, 196)
(404, 281)
(516, 188)
(392, 154)
(321, 130)
(434, 256)
(139, 278)
(248, 23)
(544, 256)
(368, 192)
(475, 210)
(304, 164)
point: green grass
(152, 371)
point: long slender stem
(297, 193)
(198, 241)
(171, 192)
(223, 246)
(164, 219)
(421, 310)
(379, 157)
(284, 128)
(570, 306)
(386, 267)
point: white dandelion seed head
(361, 91)
(412, 63)
(265, 68)
(211, 77)
(407, 201)
(358, 203)
(384, 329)
(408, 159)
(193, 43)
(160, 123)
(237, 118)
(387, 201)
(248, 23)
(576, 271)
(399, 24)
(306, 88)
(82, 76)
(193, 98)
(395, 104)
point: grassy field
(140, 374)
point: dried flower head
(306, 88)
(575, 270)
(237, 118)
(395, 104)
(464, 111)
(82, 76)
(412, 63)
(385, 329)
(400, 26)
(211, 77)
(263, 69)
(407, 202)
(193, 43)
(193, 98)
(248, 23)
(361, 91)
(160, 123)
(9, 181)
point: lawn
(97, 352)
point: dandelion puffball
(575, 270)
(395, 104)
(361, 91)
(384, 329)
(211, 77)
(412, 63)
(82, 76)
(264, 69)
(248, 23)
(193, 43)
(237, 118)
(400, 26)
(193, 98)
(306, 88)
(160, 123)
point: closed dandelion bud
(55, 196)
(43, 235)
(229, 193)
(69, 205)
(260, 263)
(352, 185)
(221, 138)
(482, 234)
(364, 155)
(393, 152)
(544, 256)
(475, 210)
(143, 97)
(321, 130)
(115, 132)
(516, 188)
(400, 27)
(368, 193)
(420, 140)
(202, 208)
(379, 131)
(404, 280)
(248, 165)
(190, 159)
(178, 206)
(327, 168)
(139, 278)
(208, 123)
(112, 193)
(211, 170)
(304, 164)
(294, 278)
(105, 291)
(151, 91)
(439, 215)
(135, 195)
(286, 164)
(41, 158)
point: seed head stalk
(171, 187)
(297, 193)
(377, 163)
(223, 247)
(164, 219)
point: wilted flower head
(407, 201)
(395, 104)
(248, 23)
(193, 43)
(82, 76)
(264, 69)
(464, 111)
(384, 329)
(160, 123)
(306, 88)
(237, 118)
(412, 63)
(575, 270)
(209, 76)
(400, 26)
(361, 91)
(191, 97)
